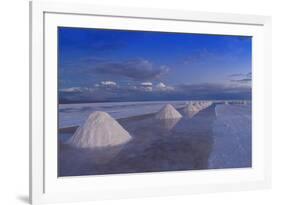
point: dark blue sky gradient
(113, 65)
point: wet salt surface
(217, 137)
(232, 137)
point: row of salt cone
(101, 130)
(192, 108)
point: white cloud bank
(71, 89)
(162, 87)
(147, 84)
(108, 83)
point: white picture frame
(46, 187)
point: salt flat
(232, 137)
(217, 137)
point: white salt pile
(168, 112)
(99, 130)
(193, 108)
(207, 104)
(197, 105)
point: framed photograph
(129, 102)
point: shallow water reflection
(166, 125)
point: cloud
(147, 91)
(108, 83)
(241, 77)
(103, 86)
(215, 91)
(146, 84)
(137, 69)
(162, 87)
(249, 74)
(244, 80)
(237, 75)
(71, 90)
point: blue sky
(98, 65)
